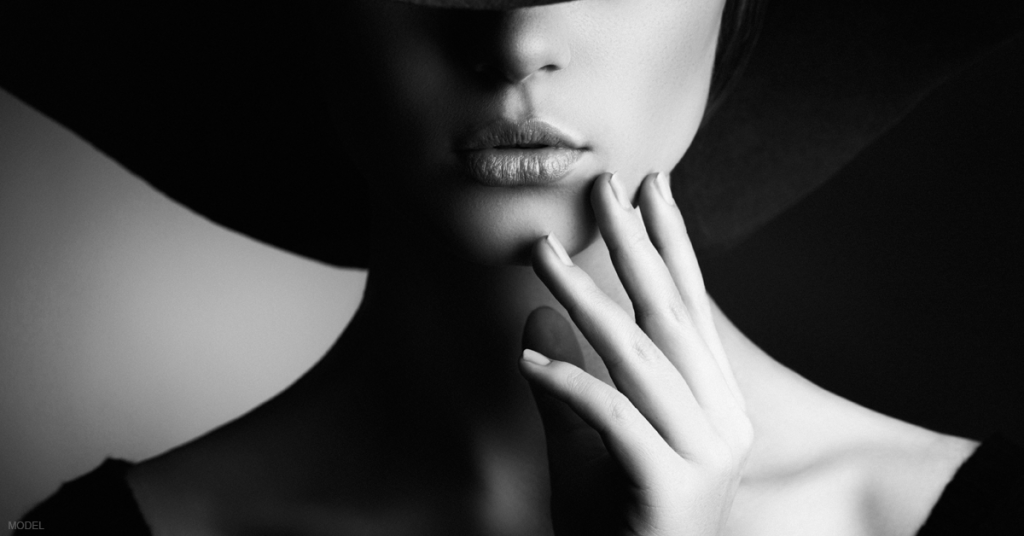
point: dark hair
(741, 24)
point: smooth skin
(628, 79)
(675, 429)
(419, 420)
(403, 429)
(422, 435)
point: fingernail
(664, 188)
(533, 357)
(559, 250)
(620, 194)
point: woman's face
(487, 128)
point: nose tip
(526, 43)
(522, 56)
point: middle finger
(660, 309)
(639, 369)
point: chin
(499, 226)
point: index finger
(638, 367)
(667, 231)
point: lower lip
(520, 167)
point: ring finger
(640, 370)
(660, 309)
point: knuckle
(577, 382)
(645, 316)
(631, 237)
(642, 348)
(636, 237)
(677, 311)
(585, 295)
(669, 313)
(621, 410)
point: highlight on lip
(510, 153)
(515, 166)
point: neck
(442, 339)
(451, 331)
(432, 355)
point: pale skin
(427, 416)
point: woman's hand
(660, 455)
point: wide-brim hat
(220, 107)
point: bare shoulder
(904, 481)
(885, 487)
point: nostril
(524, 43)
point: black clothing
(986, 496)
(98, 502)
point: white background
(129, 324)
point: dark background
(897, 283)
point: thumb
(571, 442)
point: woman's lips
(510, 153)
(520, 166)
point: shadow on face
(626, 81)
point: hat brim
(184, 101)
(825, 80)
(481, 4)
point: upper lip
(508, 134)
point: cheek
(653, 94)
(397, 93)
(636, 88)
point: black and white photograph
(512, 268)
